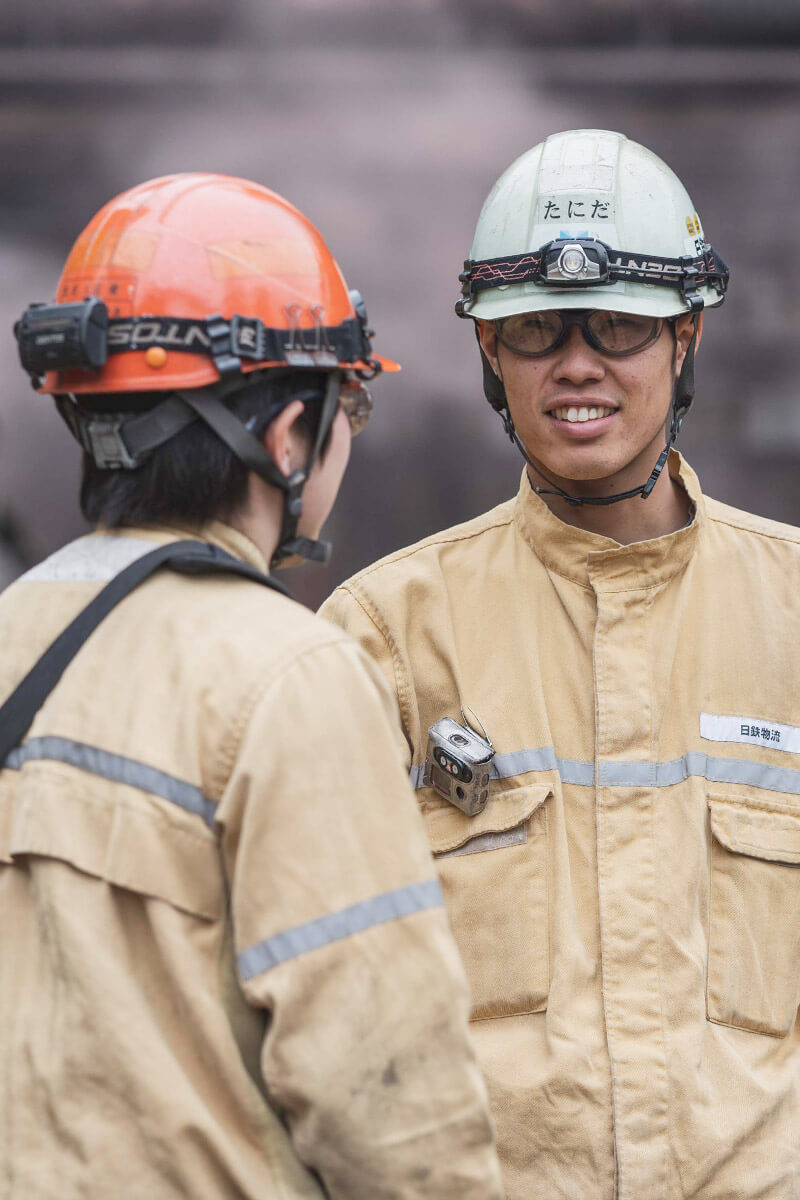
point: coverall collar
(216, 532)
(600, 563)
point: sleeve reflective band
(313, 935)
(117, 769)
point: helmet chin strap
(116, 441)
(682, 396)
(207, 404)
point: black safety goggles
(534, 334)
(355, 402)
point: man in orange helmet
(226, 967)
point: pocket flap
(137, 848)
(449, 828)
(774, 836)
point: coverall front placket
(627, 872)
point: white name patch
(751, 731)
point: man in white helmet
(598, 687)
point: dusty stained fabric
(226, 970)
(635, 961)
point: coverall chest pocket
(754, 925)
(494, 874)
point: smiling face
(586, 416)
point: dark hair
(194, 477)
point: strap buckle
(104, 442)
(221, 345)
(690, 281)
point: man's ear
(683, 336)
(280, 443)
(488, 339)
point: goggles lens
(536, 333)
(356, 403)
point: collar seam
(429, 543)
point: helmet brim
(641, 299)
(387, 364)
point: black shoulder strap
(191, 557)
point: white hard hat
(590, 219)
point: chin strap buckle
(690, 282)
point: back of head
(190, 310)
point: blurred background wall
(387, 123)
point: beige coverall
(628, 903)
(225, 968)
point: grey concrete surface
(391, 152)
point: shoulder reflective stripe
(578, 773)
(93, 559)
(389, 906)
(115, 768)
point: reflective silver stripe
(642, 774)
(416, 775)
(520, 762)
(645, 774)
(573, 770)
(389, 906)
(115, 768)
(95, 558)
(704, 766)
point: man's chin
(592, 475)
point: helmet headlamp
(573, 264)
(585, 262)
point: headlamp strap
(603, 266)
(231, 341)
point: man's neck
(665, 510)
(260, 517)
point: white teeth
(576, 415)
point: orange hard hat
(199, 272)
